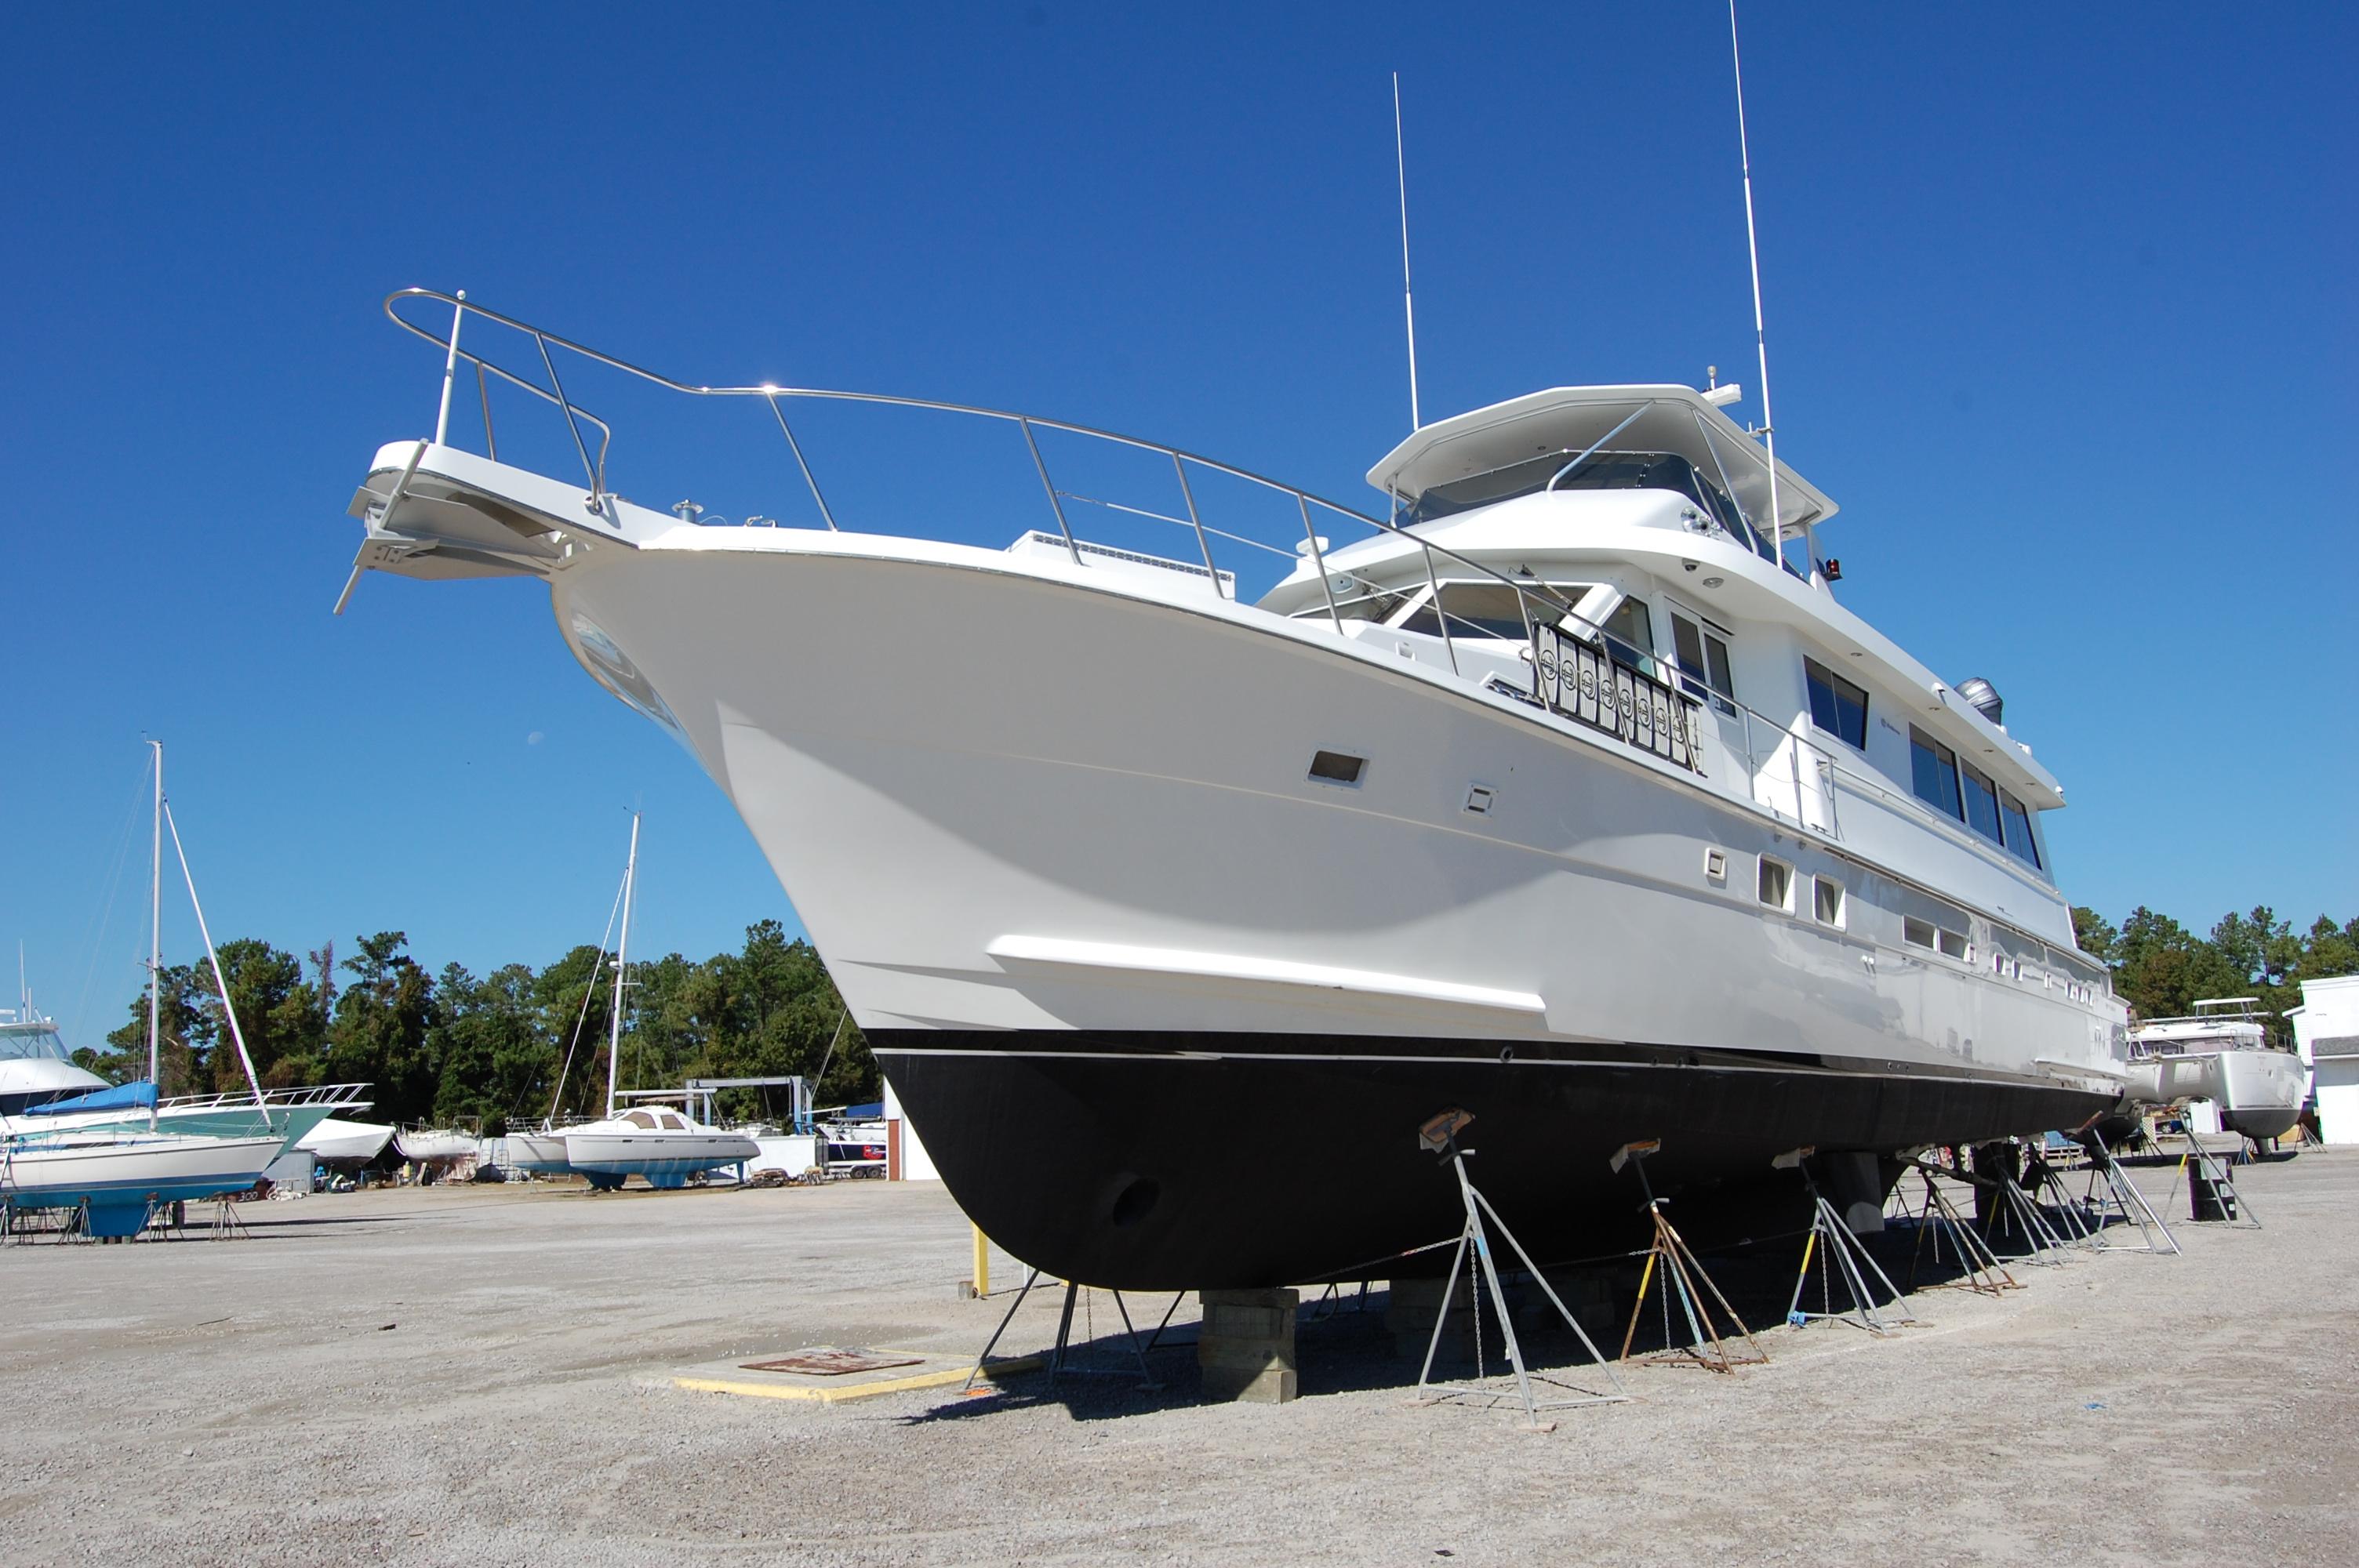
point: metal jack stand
(2072, 1225)
(1056, 1365)
(1441, 1136)
(2211, 1191)
(1830, 1237)
(1983, 1272)
(2122, 1198)
(1682, 1269)
(226, 1223)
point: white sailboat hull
(120, 1177)
(541, 1154)
(430, 1145)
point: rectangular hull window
(1777, 884)
(1337, 767)
(1829, 900)
(1837, 706)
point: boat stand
(2072, 1225)
(1440, 1135)
(1829, 1237)
(2015, 1214)
(1984, 1274)
(2122, 1198)
(1057, 1365)
(1705, 1346)
(2212, 1192)
(227, 1225)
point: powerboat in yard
(2222, 1054)
(344, 1145)
(1561, 789)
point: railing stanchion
(1202, 544)
(1440, 617)
(450, 369)
(597, 471)
(1055, 505)
(797, 447)
(1319, 561)
(483, 396)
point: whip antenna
(1409, 301)
(1752, 250)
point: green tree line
(2160, 967)
(440, 1047)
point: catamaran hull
(539, 1153)
(120, 1182)
(2258, 1093)
(1030, 825)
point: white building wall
(2325, 1027)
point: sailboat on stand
(117, 1177)
(663, 1145)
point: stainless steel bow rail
(1569, 672)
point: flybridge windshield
(37, 1043)
(1598, 470)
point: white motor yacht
(1560, 787)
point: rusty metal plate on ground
(831, 1363)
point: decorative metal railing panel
(1589, 686)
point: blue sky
(2060, 309)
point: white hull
(430, 1145)
(1080, 810)
(338, 1142)
(541, 1154)
(663, 1158)
(123, 1176)
(2258, 1093)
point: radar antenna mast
(1768, 431)
(1408, 300)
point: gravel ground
(483, 1377)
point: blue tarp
(135, 1096)
(875, 1112)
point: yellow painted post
(982, 1262)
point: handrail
(1528, 591)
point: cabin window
(1933, 773)
(1827, 898)
(640, 1118)
(1775, 885)
(2018, 828)
(1492, 608)
(1630, 632)
(1837, 706)
(1598, 470)
(1924, 934)
(1982, 802)
(1337, 768)
(1704, 665)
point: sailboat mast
(622, 967)
(155, 945)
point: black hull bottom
(1228, 1162)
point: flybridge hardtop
(1562, 793)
